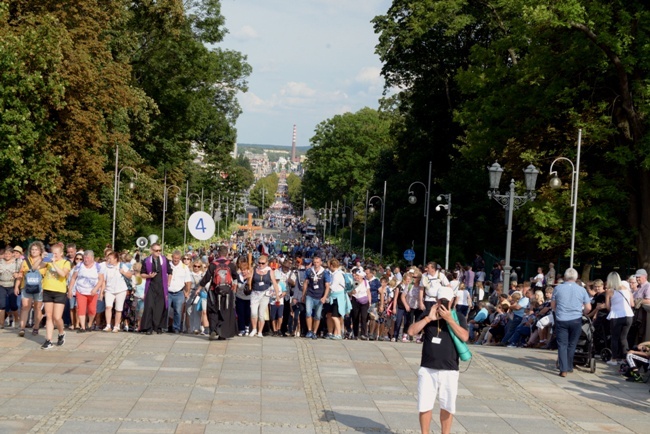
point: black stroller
(584, 355)
(602, 338)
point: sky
(311, 60)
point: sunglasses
(186, 259)
(261, 263)
(157, 250)
(196, 266)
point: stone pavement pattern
(129, 383)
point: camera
(444, 302)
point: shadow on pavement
(357, 423)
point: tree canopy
(81, 80)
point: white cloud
(245, 33)
(370, 75)
(295, 89)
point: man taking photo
(439, 364)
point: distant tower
(293, 146)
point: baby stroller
(584, 355)
(602, 338)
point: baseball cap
(641, 272)
(445, 292)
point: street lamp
(427, 199)
(343, 216)
(446, 206)
(383, 210)
(510, 201)
(165, 196)
(556, 183)
(322, 215)
(365, 225)
(116, 190)
(264, 191)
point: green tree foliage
(344, 152)
(520, 78)
(294, 191)
(67, 102)
(269, 186)
(80, 79)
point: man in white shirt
(179, 289)
(431, 282)
(398, 274)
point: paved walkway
(129, 383)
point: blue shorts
(101, 306)
(277, 312)
(315, 305)
(72, 302)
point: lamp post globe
(555, 182)
(412, 199)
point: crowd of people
(304, 289)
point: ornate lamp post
(116, 189)
(166, 189)
(556, 183)
(427, 199)
(383, 210)
(510, 201)
(446, 206)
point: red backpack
(222, 276)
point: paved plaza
(129, 383)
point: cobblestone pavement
(128, 383)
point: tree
(268, 185)
(294, 191)
(343, 152)
(521, 78)
(67, 102)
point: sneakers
(337, 337)
(21, 333)
(329, 336)
(117, 329)
(405, 338)
(392, 339)
(613, 363)
(126, 328)
(107, 328)
(635, 377)
(512, 346)
(241, 333)
(213, 336)
(46, 345)
(252, 333)
(310, 335)
(314, 336)
(61, 340)
(363, 337)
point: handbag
(362, 300)
(461, 347)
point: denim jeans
(522, 331)
(176, 300)
(401, 316)
(314, 304)
(511, 327)
(567, 335)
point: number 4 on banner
(201, 225)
